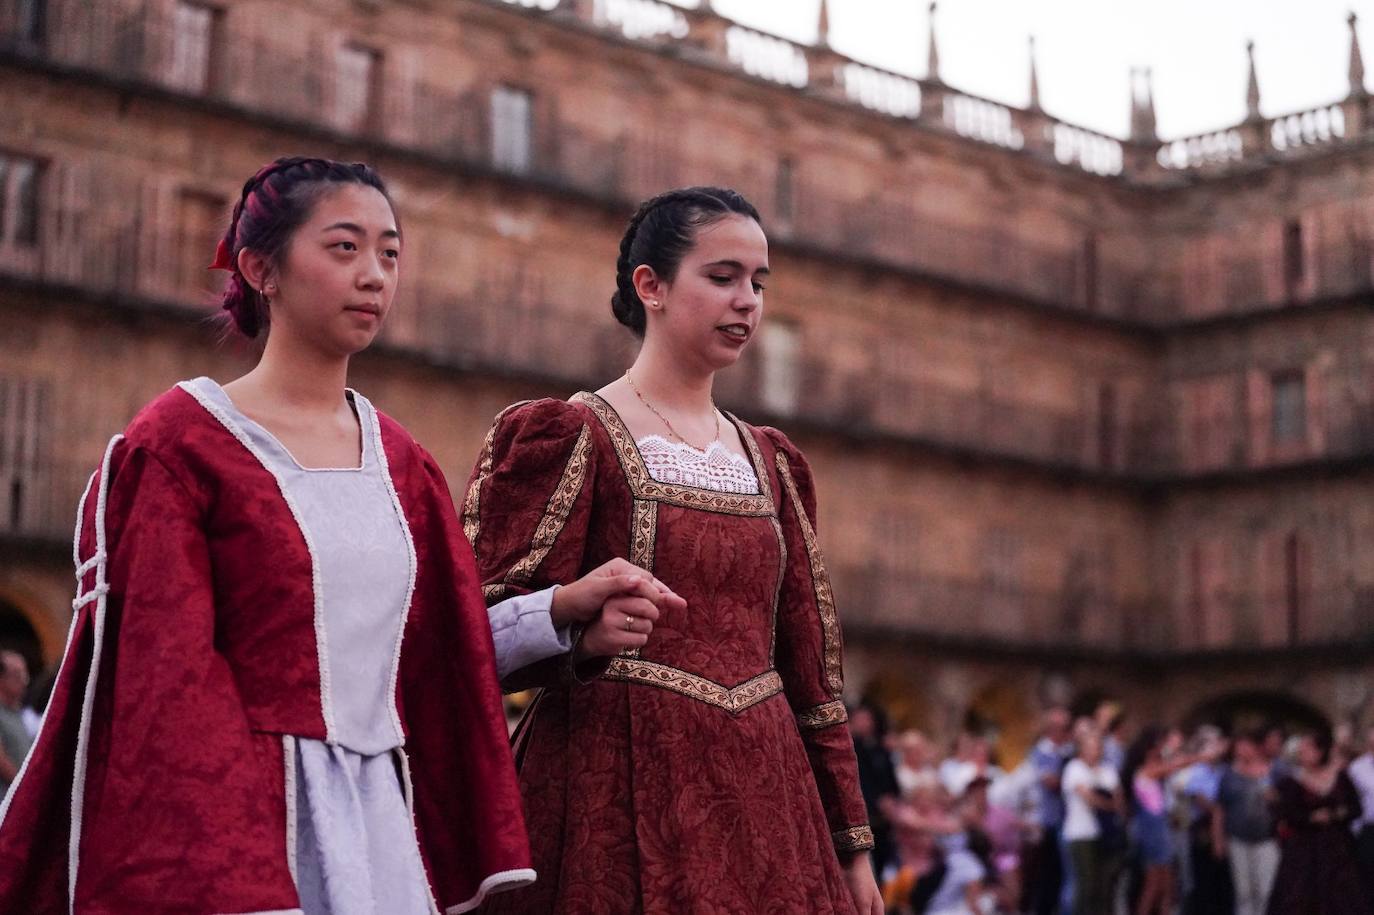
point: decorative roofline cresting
(696, 32)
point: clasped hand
(618, 603)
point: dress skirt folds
(710, 772)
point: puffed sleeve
(526, 512)
(809, 655)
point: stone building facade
(1089, 416)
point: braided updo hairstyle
(274, 204)
(660, 234)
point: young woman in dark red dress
(711, 770)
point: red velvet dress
(158, 781)
(712, 771)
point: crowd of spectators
(1098, 821)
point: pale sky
(1087, 47)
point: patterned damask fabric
(158, 780)
(683, 780)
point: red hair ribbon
(222, 259)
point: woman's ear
(256, 270)
(649, 286)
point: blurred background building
(1090, 416)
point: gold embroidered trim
(732, 699)
(746, 435)
(823, 716)
(777, 592)
(643, 532)
(555, 513)
(856, 838)
(494, 592)
(471, 504)
(820, 583)
(643, 486)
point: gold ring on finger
(629, 624)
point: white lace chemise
(679, 464)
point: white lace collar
(679, 464)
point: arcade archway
(18, 634)
(1255, 709)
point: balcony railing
(1245, 282)
(452, 125)
(521, 321)
(38, 501)
(875, 401)
(980, 612)
(951, 608)
(1258, 620)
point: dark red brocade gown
(711, 772)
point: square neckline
(746, 439)
(354, 400)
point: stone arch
(1007, 709)
(18, 633)
(29, 627)
(905, 706)
(1255, 708)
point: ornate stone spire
(933, 50)
(1356, 58)
(1143, 106)
(1034, 104)
(823, 25)
(1252, 91)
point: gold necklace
(714, 412)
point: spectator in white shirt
(972, 759)
(1092, 792)
(915, 769)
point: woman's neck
(300, 378)
(668, 383)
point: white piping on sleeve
(61, 666)
(83, 733)
(76, 538)
(91, 563)
(496, 883)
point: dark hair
(275, 202)
(1323, 740)
(1147, 741)
(660, 233)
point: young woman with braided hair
(709, 771)
(280, 690)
